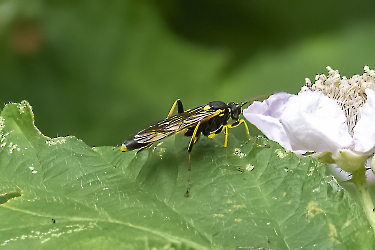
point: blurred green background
(103, 70)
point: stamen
(348, 93)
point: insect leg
(226, 135)
(216, 132)
(235, 124)
(180, 108)
(194, 136)
(193, 140)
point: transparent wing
(174, 124)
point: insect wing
(173, 125)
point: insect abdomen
(131, 145)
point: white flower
(334, 117)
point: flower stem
(359, 180)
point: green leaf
(60, 193)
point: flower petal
(266, 117)
(364, 131)
(313, 122)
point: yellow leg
(189, 163)
(247, 128)
(248, 133)
(216, 132)
(180, 108)
(225, 129)
(226, 135)
(233, 125)
(194, 137)
(212, 135)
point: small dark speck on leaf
(187, 193)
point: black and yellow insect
(209, 120)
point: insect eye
(235, 114)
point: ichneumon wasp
(209, 120)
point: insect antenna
(256, 98)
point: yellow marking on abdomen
(124, 148)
